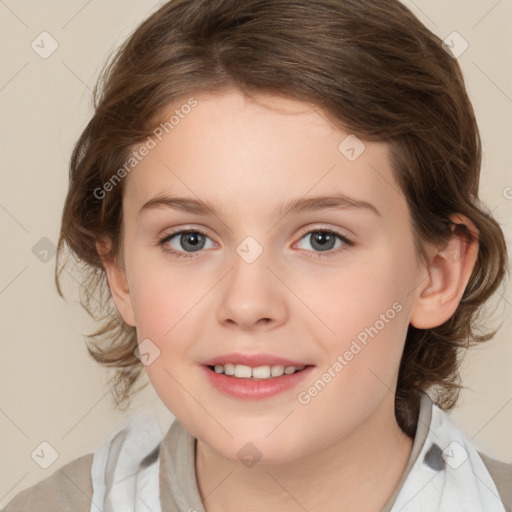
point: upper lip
(253, 360)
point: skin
(344, 449)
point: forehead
(241, 153)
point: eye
(184, 243)
(324, 241)
(190, 240)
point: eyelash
(321, 254)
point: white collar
(447, 475)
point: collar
(140, 469)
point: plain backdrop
(51, 390)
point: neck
(357, 472)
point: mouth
(264, 372)
(244, 382)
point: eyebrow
(297, 205)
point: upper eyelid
(310, 230)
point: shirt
(86, 484)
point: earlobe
(449, 270)
(118, 283)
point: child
(282, 199)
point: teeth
(261, 372)
(277, 370)
(242, 371)
(229, 369)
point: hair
(373, 68)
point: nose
(252, 296)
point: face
(329, 287)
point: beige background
(50, 389)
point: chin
(259, 449)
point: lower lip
(255, 389)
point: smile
(255, 383)
(241, 371)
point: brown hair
(372, 67)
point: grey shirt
(70, 489)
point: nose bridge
(251, 292)
(250, 250)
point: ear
(449, 271)
(117, 282)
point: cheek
(162, 295)
(355, 297)
(166, 307)
(366, 309)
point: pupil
(192, 240)
(323, 239)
